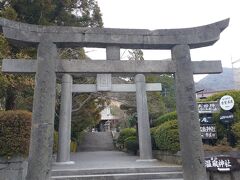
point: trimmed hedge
(15, 130)
(153, 131)
(166, 136)
(124, 134)
(236, 130)
(131, 144)
(166, 117)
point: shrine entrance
(178, 41)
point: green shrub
(236, 130)
(15, 130)
(124, 134)
(166, 117)
(166, 136)
(132, 120)
(152, 131)
(131, 144)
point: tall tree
(13, 86)
(156, 104)
(82, 13)
(85, 13)
(168, 91)
(135, 54)
(45, 12)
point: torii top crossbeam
(31, 35)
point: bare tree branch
(82, 104)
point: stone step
(97, 141)
(124, 176)
(66, 172)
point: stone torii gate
(104, 84)
(47, 39)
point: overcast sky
(165, 14)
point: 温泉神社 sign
(221, 163)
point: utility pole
(236, 71)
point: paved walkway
(97, 141)
(107, 159)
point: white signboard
(208, 107)
(226, 102)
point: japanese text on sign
(226, 102)
(208, 107)
(221, 163)
(208, 132)
(207, 128)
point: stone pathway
(107, 159)
(114, 165)
(97, 141)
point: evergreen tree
(84, 13)
(135, 54)
(164, 100)
(16, 91)
(45, 12)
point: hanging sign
(226, 102)
(226, 117)
(208, 131)
(205, 118)
(208, 107)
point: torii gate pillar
(41, 143)
(64, 139)
(188, 123)
(145, 144)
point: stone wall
(13, 169)
(168, 157)
(176, 159)
(234, 175)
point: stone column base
(146, 160)
(64, 163)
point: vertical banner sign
(205, 110)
